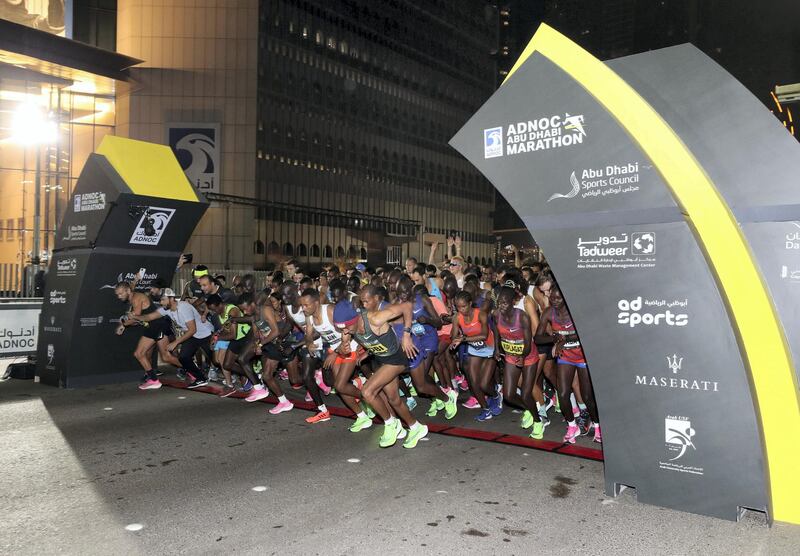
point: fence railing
(11, 280)
(184, 275)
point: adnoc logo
(547, 132)
(493, 142)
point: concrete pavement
(81, 465)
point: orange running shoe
(319, 417)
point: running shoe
(213, 375)
(181, 374)
(247, 387)
(527, 420)
(451, 405)
(365, 407)
(309, 398)
(484, 415)
(198, 383)
(545, 420)
(326, 390)
(159, 373)
(360, 424)
(436, 406)
(402, 434)
(281, 407)
(415, 434)
(283, 375)
(319, 417)
(150, 384)
(227, 390)
(496, 404)
(471, 403)
(499, 389)
(412, 391)
(390, 434)
(597, 436)
(585, 422)
(411, 402)
(572, 433)
(358, 382)
(257, 394)
(538, 431)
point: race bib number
(417, 329)
(478, 345)
(378, 349)
(329, 337)
(512, 348)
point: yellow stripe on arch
(767, 356)
(147, 168)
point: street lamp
(32, 126)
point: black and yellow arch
(761, 337)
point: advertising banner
(19, 328)
(135, 211)
(674, 293)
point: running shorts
(157, 329)
(532, 359)
(425, 344)
(485, 352)
(221, 344)
(237, 346)
(397, 358)
(546, 350)
(581, 365)
(351, 357)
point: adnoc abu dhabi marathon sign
(664, 226)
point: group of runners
(379, 339)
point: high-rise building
(356, 102)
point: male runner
(374, 332)
(154, 333)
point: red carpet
(460, 432)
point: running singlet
(419, 310)
(434, 289)
(474, 328)
(328, 332)
(512, 338)
(380, 345)
(299, 318)
(572, 352)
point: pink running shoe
(257, 394)
(284, 374)
(573, 431)
(597, 436)
(309, 398)
(150, 385)
(281, 407)
(471, 403)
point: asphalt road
(204, 475)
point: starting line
(460, 432)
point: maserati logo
(674, 363)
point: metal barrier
(11, 282)
(184, 275)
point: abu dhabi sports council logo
(197, 148)
(576, 187)
(151, 226)
(678, 436)
(492, 142)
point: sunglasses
(455, 264)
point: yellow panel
(147, 168)
(767, 356)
